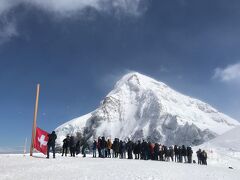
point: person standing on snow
(84, 147)
(156, 151)
(171, 152)
(144, 150)
(138, 149)
(151, 150)
(94, 148)
(124, 149)
(116, 145)
(204, 157)
(176, 152)
(103, 146)
(199, 156)
(109, 147)
(78, 147)
(98, 147)
(184, 153)
(51, 143)
(189, 154)
(121, 149)
(72, 146)
(65, 145)
(129, 147)
(161, 152)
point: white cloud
(7, 31)
(230, 73)
(65, 8)
(6, 5)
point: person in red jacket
(151, 147)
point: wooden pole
(34, 120)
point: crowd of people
(74, 146)
(202, 157)
(105, 148)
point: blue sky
(78, 49)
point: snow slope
(224, 150)
(141, 107)
(17, 167)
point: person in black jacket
(171, 153)
(161, 152)
(189, 154)
(144, 150)
(184, 153)
(156, 151)
(124, 149)
(176, 153)
(65, 145)
(121, 149)
(199, 153)
(84, 147)
(129, 147)
(134, 150)
(180, 154)
(103, 146)
(51, 143)
(78, 147)
(115, 147)
(72, 146)
(94, 148)
(165, 152)
(204, 157)
(138, 149)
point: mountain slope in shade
(141, 107)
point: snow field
(17, 167)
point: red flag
(40, 141)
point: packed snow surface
(141, 107)
(17, 167)
(223, 152)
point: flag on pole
(40, 141)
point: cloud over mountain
(66, 8)
(231, 73)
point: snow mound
(224, 149)
(141, 107)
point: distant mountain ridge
(140, 107)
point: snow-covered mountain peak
(142, 107)
(137, 80)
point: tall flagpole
(34, 119)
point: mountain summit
(140, 107)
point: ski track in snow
(17, 167)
